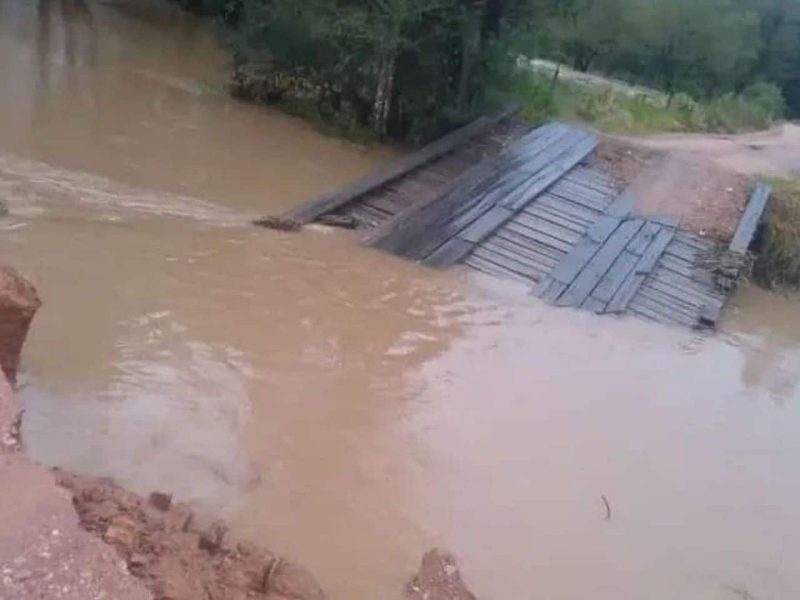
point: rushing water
(342, 407)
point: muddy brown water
(344, 408)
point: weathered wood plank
(490, 268)
(616, 276)
(311, 210)
(521, 268)
(677, 265)
(548, 227)
(574, 210)
(644, 267)
(535, 245)
(539, 236)
(549, 289)
(568, 269)
(449, 253)
(601, 262)
(485, 224)
(529, 253)
(644, 238)
(752, 216)
(657, 312)
(575, 193)
(536, 211)
(560, 161)
(492, 249)
(455, 211)
(682, 251)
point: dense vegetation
(412, 68)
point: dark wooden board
(594, 271)
(568, 269)
(643, 239)
(750, 219)
(490, 268)
(539, 236)
(528, 253)
(329, 202)
(536, 211)
(535, 245)
(452, 251)
(485, 224)
(642, 270)
(510, 264)
(567, 207)
(616, 276)
(451, 213)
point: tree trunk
(384, 90)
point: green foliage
(614, 111)
(777, 262)
(402, 68)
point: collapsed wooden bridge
(530, 205)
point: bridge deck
(528, 205)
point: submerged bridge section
(529, 205)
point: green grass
(611, 110)
(777, 264)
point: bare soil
(703, 196)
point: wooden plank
(494, 250)
(503, 191)
(509, 264)
(579, 195)
(594, 305)
(682, 251)
(677, 265)
(574, 210)
(542, 212)
(311, 210)
(490, 268)
(533, 245)
(703, 291)
(660, 313)
(750, 219)
(644, 267)
(669, 303)
(616, 276)
(549, 290)
(560, 161)
(530, 254)
(644, 238)
(548, 227)
(486, 224)
(452, 251)
(539, 236)
(601, 262)
(568, 269)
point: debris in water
(278, 223)
(608, 508)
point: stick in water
(608, 507)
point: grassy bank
(615, 110)
(778, 246)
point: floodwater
(341, 407)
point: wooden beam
(306, 213)
(750, 218)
